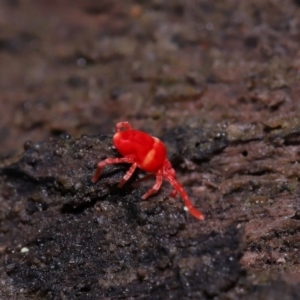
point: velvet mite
(149, 154)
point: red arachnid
(149, 154)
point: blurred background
(78, 67)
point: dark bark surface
(218, 82)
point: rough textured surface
(218, 82)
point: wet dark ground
(218, 82)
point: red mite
(149, 154)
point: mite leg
(128, 174)
(155, 188)
(109, 161)
(123, 125)
(169, 171)
(173, 193)
(188, 204)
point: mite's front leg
(109, 161)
